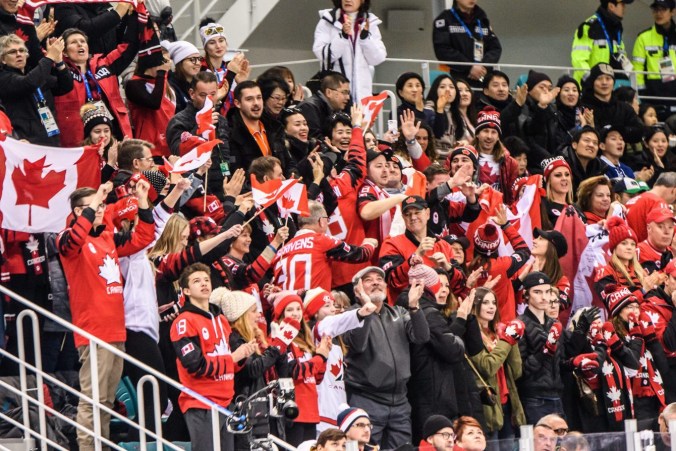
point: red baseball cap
(660, 215)
(670, 269)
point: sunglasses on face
(214, 30)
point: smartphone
(392, 126)
(51, 15)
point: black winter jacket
(317, 113)
(452, 43)
(97, 20)
(378, 357)
(19, 94)
(541, 372)
(431, 388)
(615, 112)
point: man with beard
(253, 135)
(379, 360)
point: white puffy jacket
(355, 62)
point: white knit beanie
(180, 50)
(233, 303)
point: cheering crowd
(496, 259)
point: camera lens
(290, 410)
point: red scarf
(385, 221)
(648, 381)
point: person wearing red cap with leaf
(305, 364)
(486, 243)
(661, 195)
(499, 363)
(651, 251)
(634, 327)
(623, 267)
(496, 166)
(325, 321)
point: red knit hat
(550, 164)
(281, 300)
(489, 117)
(618, 231)
(617, 297)
(315, 299)
(486, 239)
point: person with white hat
(187, 63)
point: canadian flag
(37, 180)
(194, 159)
(205, 128)
(372, 106)
(294, 200)
(267, 193)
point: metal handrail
(94, 400)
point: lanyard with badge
(620, 57)
(46, 115)
(90, 98)
(666, 64)
(478, 43)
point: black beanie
(597, 71)
(403, 78)
(434, 424)
(567, 79)
(536, 77)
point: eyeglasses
(446, 435)
(363, 426)
(195, 59)
(279, 98)
(340, 116)
(214, 30)
(148, 159)
(15, 52)
(345, 92)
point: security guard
(599, 40)
(655, 51)
(464, 34)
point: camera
(252, 415)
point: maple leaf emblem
(335, 369)
(657, 378)
(268, 228)
(614, 394)
(607, 368)
(287, 202)
(510, 330)
(110, 270)
(32, 188)
(654, 317)
(288, 335)
(221, 348)
(643, 361)
(648, 355)
(32, 244)
(20, 33)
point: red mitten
(586, 362)
(634, 326)
(595, 332)
(282, 334)
(553, 338)
(512, 332)
(610, 337)
(647, 327)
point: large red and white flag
(194, 159)
(372, 105)
(294, 200)
(205, 127)
(37, 180)
(525, 215)
(489, 201)
(267, 193)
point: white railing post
(96, 395)
(526, 440)
(425, 69)
(37, 350)
(630, 435)
(196, 17)
(215, 428)
(140, 395)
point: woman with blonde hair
(259, 369)
(558, 181)
(624, 267)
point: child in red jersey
(205, 364)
